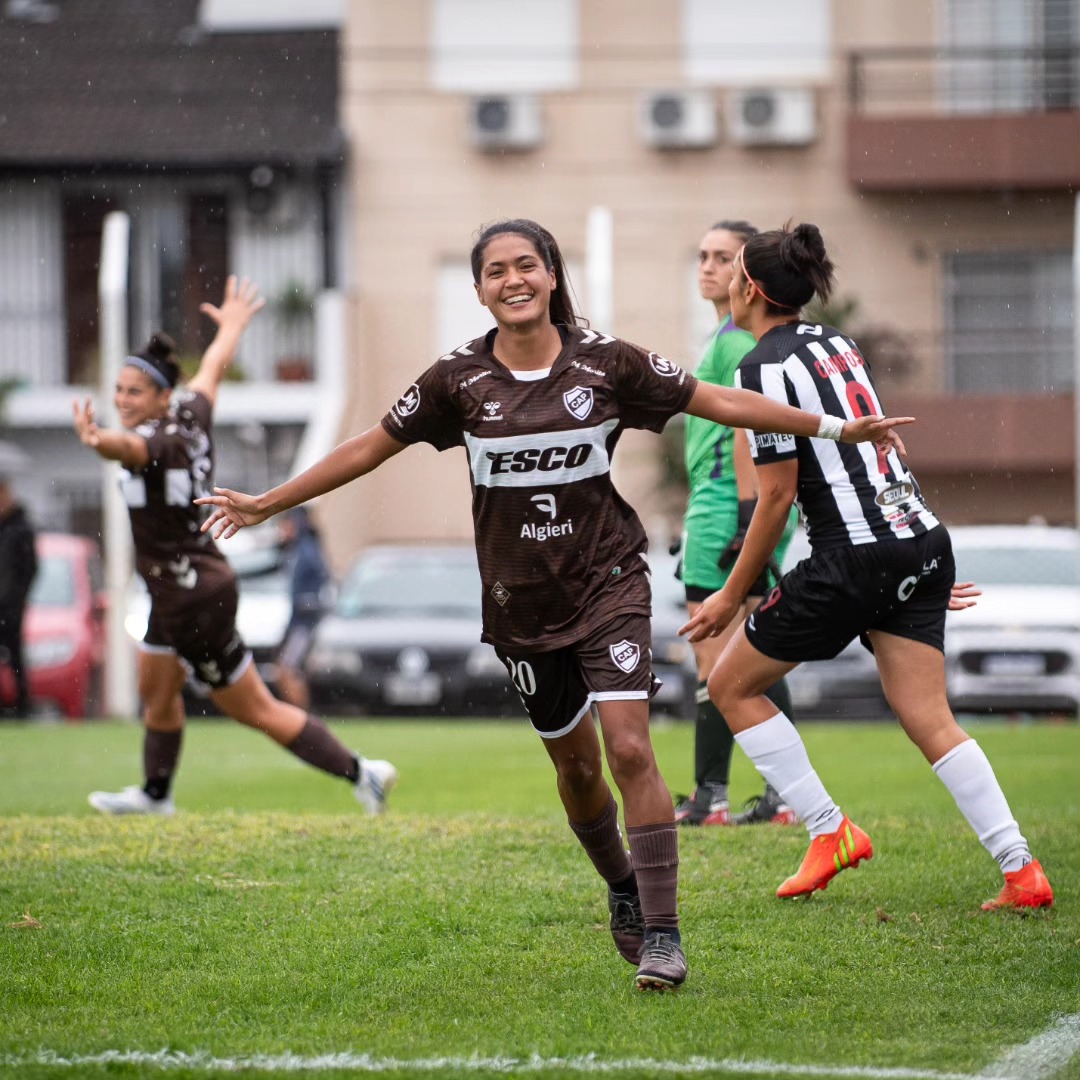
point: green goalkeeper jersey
(710, 448)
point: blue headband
(148, 369)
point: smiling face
(715, 258)
(515, 285)
(138, 398)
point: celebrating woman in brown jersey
(166, 450)
(539, 404)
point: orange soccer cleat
(827, 856)
(1023, 888)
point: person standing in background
(308, 578)
(18, 567)
(723, 493)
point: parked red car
(64, 630)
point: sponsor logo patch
(625, 654)
(895, 493)
(409, 402)
(663, 366)
(500, 593)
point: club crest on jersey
(625, 654)
(409, 402)
(663, 366)
(579, 401)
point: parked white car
(262, 615)
(1018, 649)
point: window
(1023, 55)
(784, 41)
(489, 46)
(458, 315)
(1008, 322)
(254, 15)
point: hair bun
(161, 346)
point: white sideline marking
(1044, 1055)
(1038, 1059)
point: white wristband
(831, 427)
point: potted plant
(295, 310)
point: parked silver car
(1018, 649)
(673, 656)
(405, 637)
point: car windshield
(54, 585)
(420, 584)
(1015, 565)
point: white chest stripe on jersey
(542, 459)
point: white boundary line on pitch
(1038, 1059)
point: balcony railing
(949, 81)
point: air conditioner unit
(679, 119)
(506, 122)
(781, 116)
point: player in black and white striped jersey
(847, 498)
(881, 569)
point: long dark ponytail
(789, 266)
(561, 305)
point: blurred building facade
(344, 153)
(215, 127)
(935, 142)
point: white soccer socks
(778, 753)
(970, 778)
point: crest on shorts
(625, 654)
(579, 401)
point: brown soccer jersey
(172, 556)
(560, 551)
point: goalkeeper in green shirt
(722, 497)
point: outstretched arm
(241, 302)
(354, 458)
(130, 450)
(748, 409)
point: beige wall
(419, 191)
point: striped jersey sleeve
(847, 494)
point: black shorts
(558, 688)
(203, 634)
(901, 587)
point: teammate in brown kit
(167, 453)
(539, 404)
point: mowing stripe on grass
(1038, 1059)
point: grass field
(271, 927)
